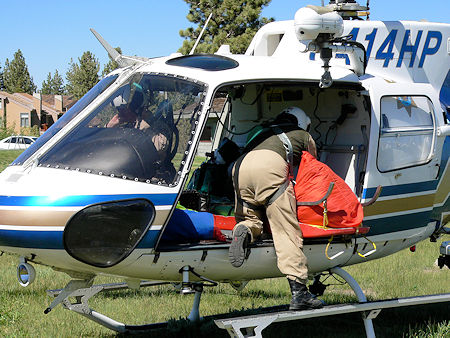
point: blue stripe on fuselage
(81, 200)
(32, 239)
(402, 189)
(53, 240)
(390, 224)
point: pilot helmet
(122, 98)
(303, 121)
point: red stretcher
(227, 223)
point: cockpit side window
(406, 132)
(142, 132)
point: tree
(111, 65)
(83, 76)
(233, 22)
(16, 77)
(54, 85)
(2, 85)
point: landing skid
(252, 326)
(76, 294)
(83, 290)
(245, 326)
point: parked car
(16, 142)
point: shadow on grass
(167, 291)
(21, 293)
(398, 322)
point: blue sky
(50, 32)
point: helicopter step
(236, 326)
(252, 326)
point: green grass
(7, 156)
(401, 275)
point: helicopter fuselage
(386, 127)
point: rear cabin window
(406, 132)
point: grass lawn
(7, 156)
(401, 275)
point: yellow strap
(325, 219)
(335, 255)
(371, 251)
(328, 245)
(325, 213)
(318, 226)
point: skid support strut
(82, 290)
(367, 318)
(76, 294)
(194, 316)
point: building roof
(48, 101)
(18, 99)
(68, 100)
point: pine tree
(2, 85)
(16, 77)
(83, 76)
(111, 65)
(54, 85)
(47, 85)
(234, 22)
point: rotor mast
(349, 9)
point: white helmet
(303, 121)
(123, 97)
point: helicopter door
(402, 153)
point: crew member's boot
(238, 247)
(302, 299)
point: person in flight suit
(262, 181)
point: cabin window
(406, 132)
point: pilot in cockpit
(129, 115)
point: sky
(49, 32)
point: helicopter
(120, 199)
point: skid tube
(252, 326)
(81, 290)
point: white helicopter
(118, 163)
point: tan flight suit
(260, 173)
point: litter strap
(287, 147)
(282, 188)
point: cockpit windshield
(66, 118)
(142, 132)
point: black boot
(301, 298)
(238, 248)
